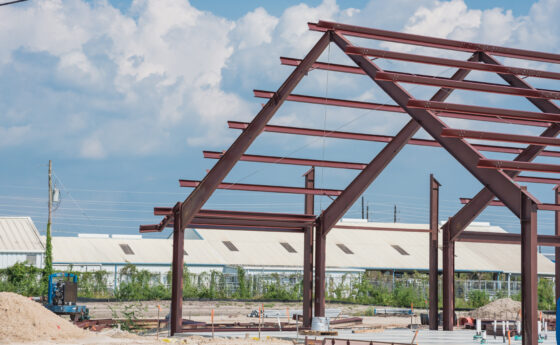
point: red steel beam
(537, 179)
(542, 206)
(448, 279)
(434, 42)
(309, 208)
(431, 60)
(245, 228)
(505, 238)
(395, 109)
(485, 111)
(379, 138)
(332, 101)
(529, 271)
(496, 180)
(468, 85)
(470, 211)
(433, 253)
(198, 197)
(502, 137)
(557, 249)
(264, 188)
(376, 228)
(340, 206)
(290, 161)
(177, 273)
(517, 165)
(163, 211)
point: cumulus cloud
(162, 75)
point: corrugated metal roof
(371, 250)
(18, 234)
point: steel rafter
(496, 180)
(198, 197)
(339, 206)
(469, 212)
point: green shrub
(478, 298)
(546, 293)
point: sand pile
(504, 308)
(22, 320)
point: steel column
(320, 270)
(194, 202)
(308, 253)
(433, 245)
(557, 249)
(529, 270)
(448, 280)
(177, 271)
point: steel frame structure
(498, 177)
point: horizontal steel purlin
(537, 179)
(395, 108)
(162, 211)
(434, 42)
(376, 228)
(518, 165)
(379, 138)
(542, 206)
(505, 238)
(264, 188)
(468, 85)
(290, 161)
(502, 137)
(431, 60)
(485, 111)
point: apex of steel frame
(498, 176)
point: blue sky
(124, 96)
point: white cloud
(165, 74)
(13, 136)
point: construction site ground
(230, 311)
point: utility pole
(48, 246)
(395, 213)
(367, 211)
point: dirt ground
(227, 311)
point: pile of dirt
(500, 309)
(24, 320)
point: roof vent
(126, 249)
(344, 248)
(230, 246)
(288, 247)
(399, 249)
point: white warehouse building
(20, 242)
